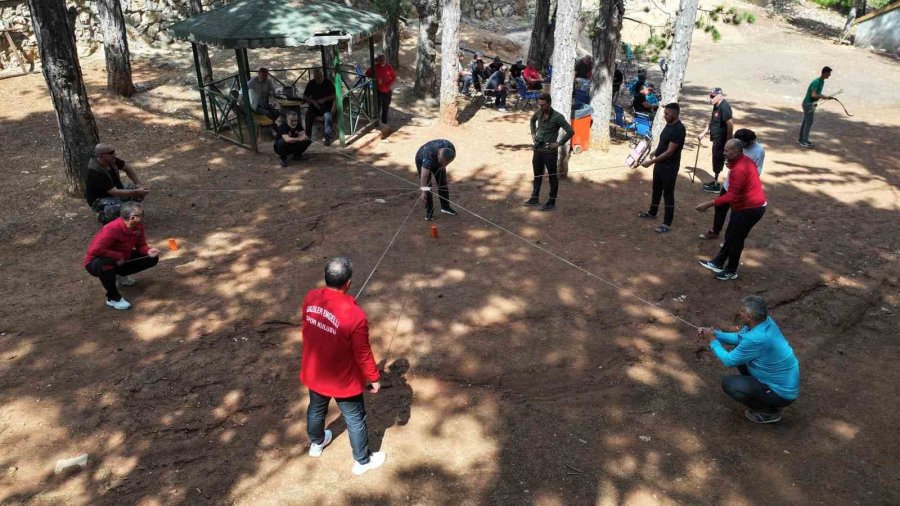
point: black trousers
(721, 214)
(384, 104)
(439, 177)
(664, 186)
(106, 269)
(753, 393)
(739, 227)
(284, 149)
(540, 162)
(718, 156)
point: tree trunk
(858, 9)
(605, 35)
(541, 47)
(426, 79)
(59, 59)
(677, 60)
(449, 48)
(115, 46)
(202, 50)
(566, 34)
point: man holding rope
(337, 362)
(432, 160)
(769, 378)
(666, 162)
(748, 205)
(810, 102)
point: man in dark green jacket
(545, 126)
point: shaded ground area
(513, 378)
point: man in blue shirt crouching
(770, 374)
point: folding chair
(524, 93)
(619, 121)
(641, 124)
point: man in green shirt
(810, 102)
(545, 126)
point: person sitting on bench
(291, 139)
(259, 89)
(319, 95)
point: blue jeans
(464, 83)
(311, 114)
(809, 115)
(354, 411)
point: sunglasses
(111, 153)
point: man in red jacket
(748, 205)
(384, 83)
(120, 249)
(337, 362)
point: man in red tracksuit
(120, 249)
(748, 205)
(384, 83)
(337, 362)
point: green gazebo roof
(275, 23)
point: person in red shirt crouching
(337, 362)
(120, 249)
(748, 205)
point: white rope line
(366, 282)
(582, 269)
(281, 190)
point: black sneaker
(429, 215)
(761, 416)
(711, 266)
(806, 144)
(712, 188)
(533, 201)
(549, 206)
(726, 276)
(449, 211)
(328, 141)
(283, 161)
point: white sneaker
(502, 109)
(125, 280)
(316, 450)
(375, 461)
(118, 304)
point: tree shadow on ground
(529, 381)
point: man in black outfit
(720, 129)
(319, 95)
(103, 187)
(291, 139)
(666, 161)
(432, 159)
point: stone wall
(145, 21)
(487, 9)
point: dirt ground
(513, 378)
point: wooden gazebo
(257, 24)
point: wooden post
(15, 51)
(243, 77)
(200, 84)
(338, 93)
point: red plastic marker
(173, 244)
(434, 232)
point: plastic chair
(524, 93)
(642, 126)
